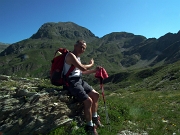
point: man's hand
(91, 62)
(98, 67)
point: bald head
(79, 47)
(81, 42)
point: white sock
(94, 114)
(90, 123)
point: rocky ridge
(28, 108)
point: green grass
(156, 112)
(146, 101)
(142, 101)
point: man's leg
(80, 89)
(94, 95)
(89, 128)
(95, 118)
(87, 109)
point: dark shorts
(79, 88)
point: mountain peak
(62, 30)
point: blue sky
(20, 19)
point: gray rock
(25, 93)
(4, 77)
(27, 109)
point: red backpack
(56, 74)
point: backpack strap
(66, 76)
(70, 70)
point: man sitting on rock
(81, 89)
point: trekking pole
(106, 111)
(102, 74)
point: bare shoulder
(70, 58)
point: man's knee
(88, 102)
(97, 94)
(94, 95)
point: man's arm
(89, 71)
(72, 60)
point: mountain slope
(67, 30)
(3, 46)
(116, 51)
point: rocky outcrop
(63, 30)
(30, 108)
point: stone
(26, 108)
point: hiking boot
(90, 130)
(97, 122)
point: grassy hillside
(139, 102)
(150, 103)
(116, 51)
(143, 101)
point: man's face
(81, 48)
